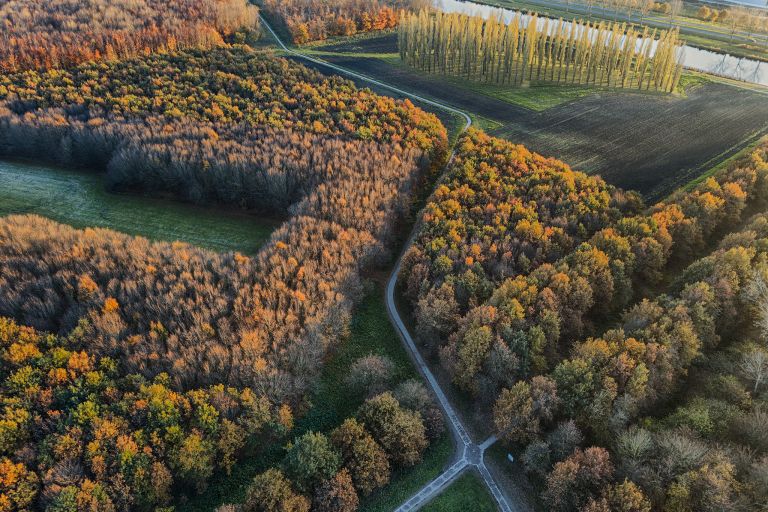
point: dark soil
(386, 43)
(647, 143)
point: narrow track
(468, 454)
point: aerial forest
(552, 301)
(532, 49)
(597, 412)
(243, 134)
(618, 349)
(499, 305)
(58, 33)
(133, 371)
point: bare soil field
(646, 142)
(649, 144)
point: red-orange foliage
(345, 175)
(84, 115)
(263, 322)
(59, 33)
(315, 20)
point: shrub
(311, 460)
(370, 374)
(399, 431)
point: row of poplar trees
(531, 49)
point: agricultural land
(364, 255)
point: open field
(466, 493)
(647, 142)
(78, 198)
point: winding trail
(468, 454)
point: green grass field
(78, 198)
(467, 493)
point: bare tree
(644, 6)
(754, 365)
(675, 8)
(757, 294)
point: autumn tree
(623, 497)
(336, 495)
(271, 491)
(361, 456)
(313, 20)
(399, 431)
(520, 411)
(310, 460)
(18, 485)
(61, 34)
(578, 478)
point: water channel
(747, 70)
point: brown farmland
(646, 142)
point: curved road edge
(360, 76)
(467, 454)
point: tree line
(599, 395)
(62, 33)
(530, 49)
(224, 86)
(316, 20)
(265, 170)
(752, 20)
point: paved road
(360, 76)
(468, 453)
